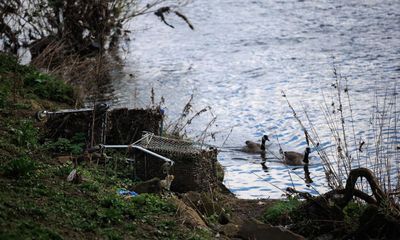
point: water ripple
(243, 53)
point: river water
(239, 59)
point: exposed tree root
(379, 219)
(350, 191)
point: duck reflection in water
(264, 156)
(307, 177)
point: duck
(295, 158)
(253, 147)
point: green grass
(281, 210)
(44, 205)
(36, 201)
(19, 167)
(352, 213)
(24, 134)
(65, 146)
(28, 82)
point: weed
(49, 87)
(25, 134)
(112, 234)
(33, 84)
(19, 167)
(91, 187)
(200, 234)
(62, 170)
(281, 210)
(9, 63)
(66, 146)
(153, 203)
(30, 230)
(353, 211)
(213, 218)
(4, 93)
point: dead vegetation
(74, 39)
(362, 174)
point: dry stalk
(384, 130)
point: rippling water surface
(240, 57)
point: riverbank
(37, 200)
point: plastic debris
(72, 175)
(127, 193)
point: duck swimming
(253, 147)
(295, 158)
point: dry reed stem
(384, 130)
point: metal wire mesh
(171, 146)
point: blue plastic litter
(124, 192)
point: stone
(188, 214)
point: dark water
(240, 57)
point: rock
(64, 159)
(74, 177)
(223, 218)
(230, 230)
(220, 171)
(252, 229)
(188, 214)
(35, 106)
(150, 186)
(203, 202)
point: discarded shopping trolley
(101, 125)
(193, 163)
(103, 147)
(43, 115)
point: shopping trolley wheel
(41, 116)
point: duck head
(263, 140)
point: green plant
(30, 230)
(4, 93)
(281, 210)
(19, 167)
(49, 87)
(200, 234)
(26, 81)
(25, 134)
(152, 203)
(62, 170)
(352, 213)
(65, 146)
(9, 63)
(90, 186)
